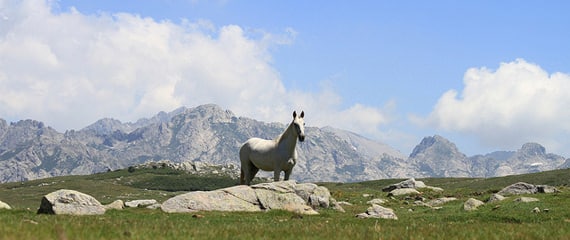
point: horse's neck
(288, 139)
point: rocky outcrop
(526, 188)
(70, 202)
(286, 195)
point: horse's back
(259, 152)
(259, 145)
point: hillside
(162, 183)
(509, 219)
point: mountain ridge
(211, 135)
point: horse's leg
(276, 174)
(241, 179)
(253, 171)
(287, 174)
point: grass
(511, 220)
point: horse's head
(299, 123)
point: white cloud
(70, 69)
(516, 103)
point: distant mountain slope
(208, 134)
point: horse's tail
(242, 157)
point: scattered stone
(410, 183)
(526, 199)
(70, 202)
(496, 198)
(403, 191)
(546, 189)
(344, 203)
(154, 206)
(140, 203)
(440, 201)
(117, 205)
(336, 205)
(197, 216)
(4, 205)
(536, 210)
(472, 204)
(377, 201)
(435, 189)
(366, 195)
(496, 207)
(377, 211)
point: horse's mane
(281, 137)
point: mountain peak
(435, 141)
(533, 149)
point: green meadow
(504, 220)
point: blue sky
(488, 75)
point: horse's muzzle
(301, 138)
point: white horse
(274, 155)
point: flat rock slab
(285, 195)
(70, 202)
(141, 203)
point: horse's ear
(302, 114)
(294, 114)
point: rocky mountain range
(208, 135)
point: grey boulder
(70, 202)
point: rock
(527, 188)
(496, 198)
(546, 189)
(440, 201)
(526, 199)
(70, 202)
(336, 205)
(272, 200)
(403, 191)
(315, 196)
(377, 201)
(140, 203)
(472, 204)
(536, 210)
(410, 183)
(377, 211)
(435, 189)
(4, 205)
(519, 188)
(117, 205)
(286, 195)
(217, 200)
